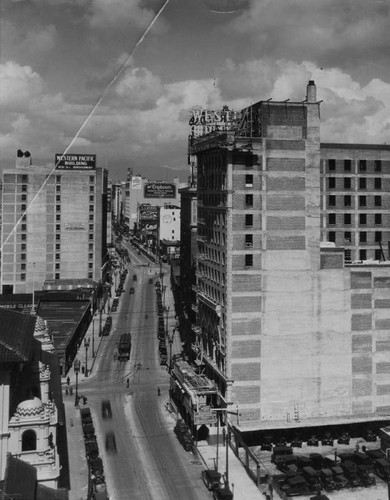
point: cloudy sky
(115, 79)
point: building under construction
(293, 282)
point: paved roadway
(149, 463)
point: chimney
(311, 92)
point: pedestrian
(357, 447)
(128, 382)
(68, 380)
(71, 391)
(158, 391)
(66, 391)
(364, 448)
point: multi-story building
(188, 254)
(355, 182)
(54, 222)
(140, 191)
(289, 331)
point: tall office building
(288, 328)
(54, 222)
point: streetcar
(124, 347)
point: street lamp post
(93, 337)
(166, 319)
(86, 345)
(76, 367)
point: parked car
(369, 435)
(222, 493)
(295, 486)
(211, 478)
(327, 440)
(339, 477)
(366, 478)
(132, 290)
(312, 478)
(344, 438)
(281, 450)
(327, 480)
(350, 472)
(382, 469)
(312, 441)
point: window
(249, 219)
(57, 256)
(362, 201)
(91, 217)
(24, 188)
(23, 246)
(362, 165)
(362, 219)
(249, 240)
(23, 277)
(348, 236)
(332, 165)
(347, 182)
(90, 275)
(347, 200)
(91, 189)
(378, 236)
(23, 207)
(91, 198)
(24, 197)
(90, 246)
(90, 236)
(24, 227)
(332, 182)
(58, 217)
(24, 237)
(58, 246)
(249, 260)
(23, 267)
(249, 180)
(378, 255)
(58, 198)
(378, 183)
(332, 236)
(378, 218)
(378, 165)
(249, 200)
(24, 178)
(58, 178)
(58, 227)
(58, 189)
(332, 200)
(57, 276)
(331, 219)
(378, 201)
(90, 265)
(23, 256)
(91, 208)
(347, 165)
(29, 440)
(362, 183)
(91, 227)
(58, 208)
(347, 218)
(91, 178)
(363, 254)
(57, 265)
(58, 236)
(90, 256)
(363, 237)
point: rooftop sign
(159, 190)
(204, 121)
(75, 162)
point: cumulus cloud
(139, 88)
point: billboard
(204, 121)
(159, 190)
(147, 213)
(75, 162)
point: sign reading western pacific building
(75, 162)
(159, 190)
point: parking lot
(378, 491)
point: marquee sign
(159, 190)
(75, 162)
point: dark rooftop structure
(16, 336)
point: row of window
(347, 182)
(348, 219)
(348, 165)
(362, 236)
(347, 199)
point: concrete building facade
(54, 225)
(288, 331)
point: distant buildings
(293, 319)
(54, 222)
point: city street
(149, 462)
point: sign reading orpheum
(75, 162)
(159, 190)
